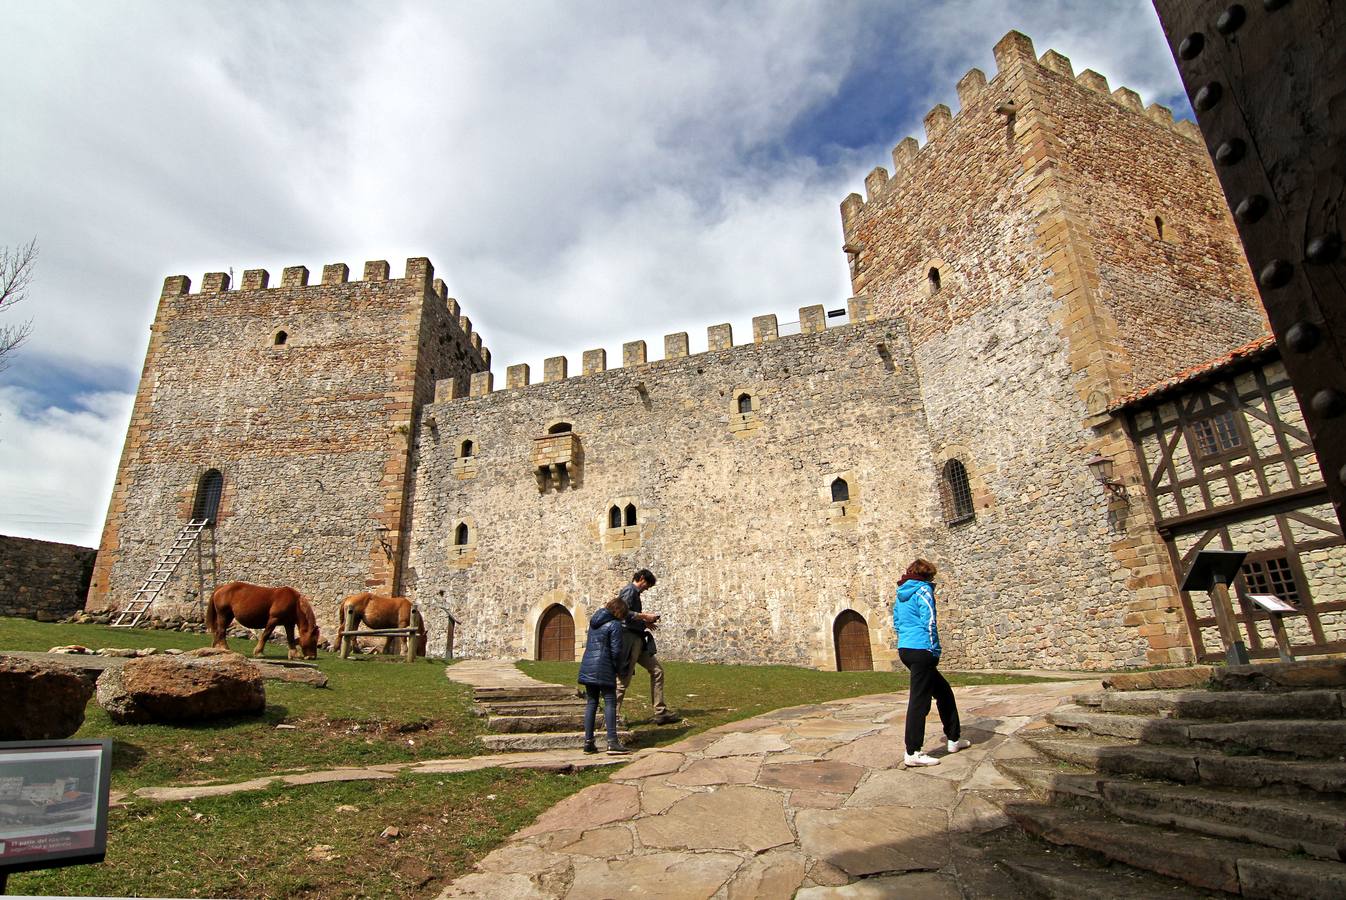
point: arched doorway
(556, 635)
(851, 636)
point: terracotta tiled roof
(1260, 348)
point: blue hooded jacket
(914, 617)
(602, 650)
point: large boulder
(41, 701)
(192, 687)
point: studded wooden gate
(556, 635)
(851, 635)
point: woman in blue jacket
(918, 648)
(598, 671)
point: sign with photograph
(53, 803)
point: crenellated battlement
(765, 329)
(1012, 52)
(419, 272)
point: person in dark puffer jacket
(598, 671)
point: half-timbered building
(1228, 465)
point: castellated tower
(1053, 247)
(284, 414)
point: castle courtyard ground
(812, 799)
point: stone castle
(1053, 249)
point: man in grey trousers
(638, 647)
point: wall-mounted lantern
(1101, 468)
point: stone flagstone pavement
(811, 799)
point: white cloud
(57, 465)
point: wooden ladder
(163, 570)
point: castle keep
(1019, 284)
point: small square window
(1271, 575)
(1217, 435)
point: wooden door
(556, 635)
(852, 641)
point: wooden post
(1235, 652)
(1282, 639)
(347, 641)
(413, 635)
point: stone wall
(43, 580)
(304, 397)
(734, 510)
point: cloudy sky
(581, 174)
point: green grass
(260, 844)
(709, 695)
(374, 710)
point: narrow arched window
(956, 493)
(207, 502)
(460, 534)
(841, 491)
(744, 404)
(1159, 227)
(630, 514)
(466, 449)
(615, 517)
(281, 338)
(559, 428)
(933, 276)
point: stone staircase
(1236, 789)
(525, 714)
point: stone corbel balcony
(556, 461)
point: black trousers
(925, 683)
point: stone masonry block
(1013, 47)
(465, 323)
(764, 329)
(857, 308)
(440, 289)
(336, 273)
(376, 270)
(554, 368)
(633, 353)
(215, 282)
(812, 319)
(875, 181)
(1058, 63)
(1093, 81)
(451, 306)
(969, 86)
(482, 384)
(904, 153)
(256, 279)
(595, 361)
(517, 376)
(420, 270)
(937, 121)
(1128, 98)
(721, 337)
(675, 345)
(851, 207)
(1159, 113)
(294, 276)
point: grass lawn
(323, 840)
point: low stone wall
(43, 580)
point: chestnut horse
(377, 611)
(256, 607)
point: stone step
(1203, 862)
(1292, 676)
(1299, 825)
(527, 707)
(1191, 765)
(1062, 876)
(1309, 704)
(523, 692)
(507, 743)
(567, 721)
(1309, 738)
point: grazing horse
(255, 607)
(377, 611)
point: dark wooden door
(852, 639)
(556, 635)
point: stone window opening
(460, 535)
(841, 491)
(1159, 227)
(559, 428)
(465, 451)
(615, 517)
(280, 339)
(1271, 573)
(744, 404)
(934, 278)
(206, 505)
(956, 493)
(629, 515)
(463, 553)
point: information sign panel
(53, 803)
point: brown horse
(377, 611)
(256, 607)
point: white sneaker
(960, 744)
(919, 758)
